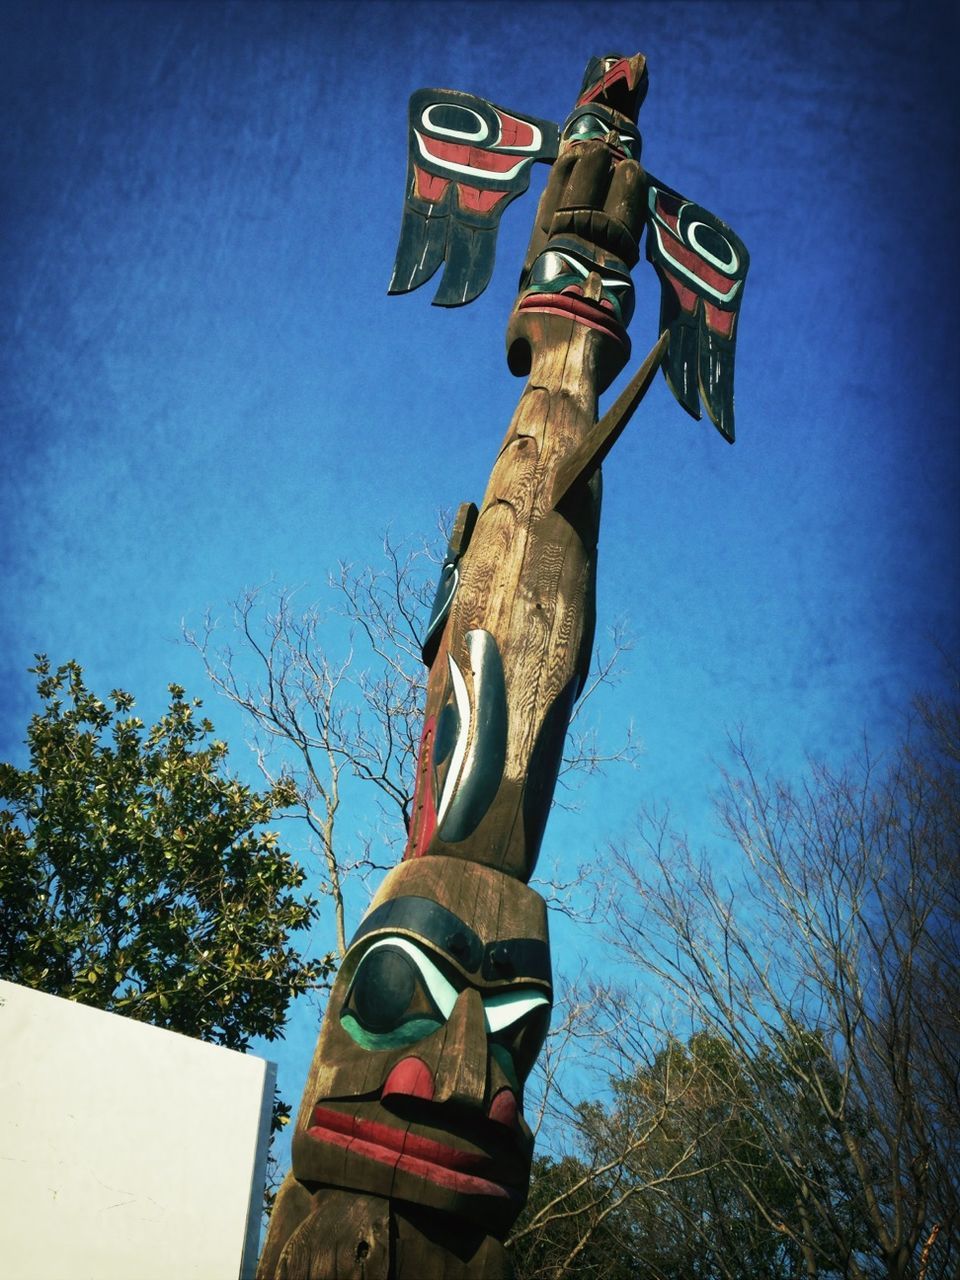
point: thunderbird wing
(467, 160)
(702, 265)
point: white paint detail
(734, 261)
(659, 225)
(500, 1011)
(577, 265)
(480, 136)
(453, 167)
(608, 282)
(507, 1007)
(690, 275)
(460, 750)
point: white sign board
(126, 1152)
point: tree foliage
(138, 876)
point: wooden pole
(411, 1157)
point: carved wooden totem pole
(411, 1157)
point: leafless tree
(322, 718)
(824, 949)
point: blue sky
(206, 386)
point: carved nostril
(410, 1078)
(504, 1109)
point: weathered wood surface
(516, 646)
(435, 1122)
(527, 581)
(340, 1235)
(411, 1157)
(371, 1110)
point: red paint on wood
(721, 322)
(514, 132)
(424, 821)
(476, 200)
(428, 186)
(619, 71)
(505, 1110)
(698, 267)
(688, 299)
(494, 162)
(409, 1152)
(582, 310)
(412, 1078)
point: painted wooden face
(434, 1023)
(573, 278)
(595, 121)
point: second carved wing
(702, 265)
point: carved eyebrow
(527, 958)
(441, 927)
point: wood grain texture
(344, 1237)
(458, 1144)
(528, 580)
(437, 1248)
(411, 1157)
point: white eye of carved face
(711, 244)
(562, 263)
(452, 120)
(585, 268)
(587, 126)
(508, 1007)
(500, 1010)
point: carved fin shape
(460, 537)
(605, 433)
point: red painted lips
(461, 1171)
(577, 308)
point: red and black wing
(467, 160)
(702, 265)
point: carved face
(595, 121)
(435, 1020)
(587, 284)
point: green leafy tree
(138, 876)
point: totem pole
(411, 1156)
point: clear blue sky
(206, 386)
